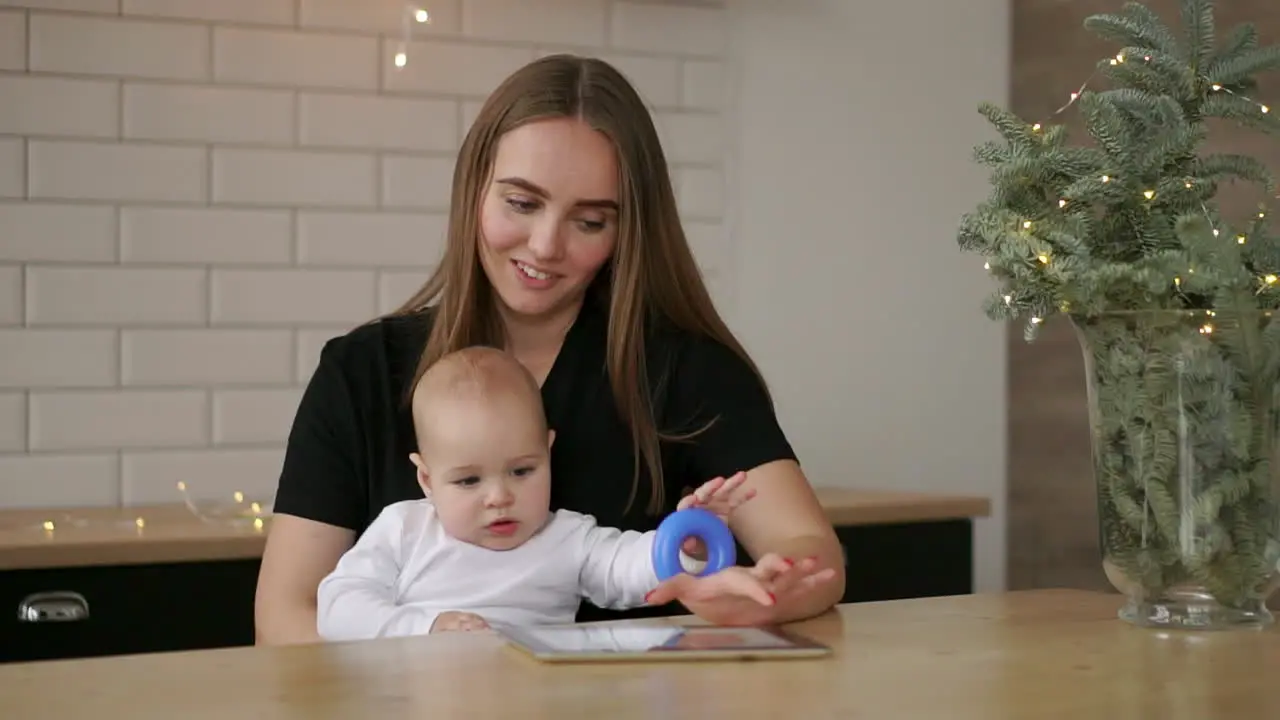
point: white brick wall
(196, 195)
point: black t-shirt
(348, 451)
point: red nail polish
(788, 561)
(773, 599)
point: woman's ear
(424, 478)
(551, 438)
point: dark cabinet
(56, 613)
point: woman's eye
(592, 226)
(522, 471)
(521, 205)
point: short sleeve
(321, 478)
(712, 384)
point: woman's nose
(547, 241)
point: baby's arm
(617, 566)
(357, 600)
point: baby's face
(487, 467)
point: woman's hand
(741, 595)
(453, 621)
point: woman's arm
(783, 527)
(321, 498)
(298, 555)
(786, 519)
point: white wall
(851, 169)
(194, 195)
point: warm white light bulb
(401, 59)
(1148, 194)
(1265, 109)
(1216, 232)
(1062, 203)
(421, 15)
(239, 496)
(1240, 239)
(1026, 224)
(140, 522)
(48, 525)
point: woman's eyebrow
(534, 188)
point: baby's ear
(424, 478)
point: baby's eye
(468, 481)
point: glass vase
(1184, 414)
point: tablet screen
(636, 639)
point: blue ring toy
(684, 524)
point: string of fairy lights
(1267, 280)
(412, 15)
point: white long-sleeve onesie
(405, 570)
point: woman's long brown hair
(652, 273)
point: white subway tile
(99, 419)
(309, 344)
(35, 105)
(108, 7)
(74, 170)
(45, 358)
(59, 481)
(288, 177)
(205, 235)
(689, 138)
(107, 46)
(268, 12)
(451, 67)
(704, 85)
(669, 29)
(572, 22)
(13, 424)
(115, 296)
(206, 357)
(11, 295)
(395, 287)
(710, 246)
(470, 111)
(279, 57)
(151, 478)
(207, 114)
(13, 173)
(656, 79)
(13, 40)
(381, 16)
(282, 297)
(378, 122)
(370, 239)
(254, 416)
(416, 182)
(701, 193)
(47, 232)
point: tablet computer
(656, 643)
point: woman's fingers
(728, 583)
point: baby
(483, 547)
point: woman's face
(549, 218)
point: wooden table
(177, 583)
(1027, 655)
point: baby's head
(484, 447)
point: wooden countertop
(1028, 655)
(172, 533)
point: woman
(564, 247)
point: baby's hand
(458, 622)
(719, 496)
